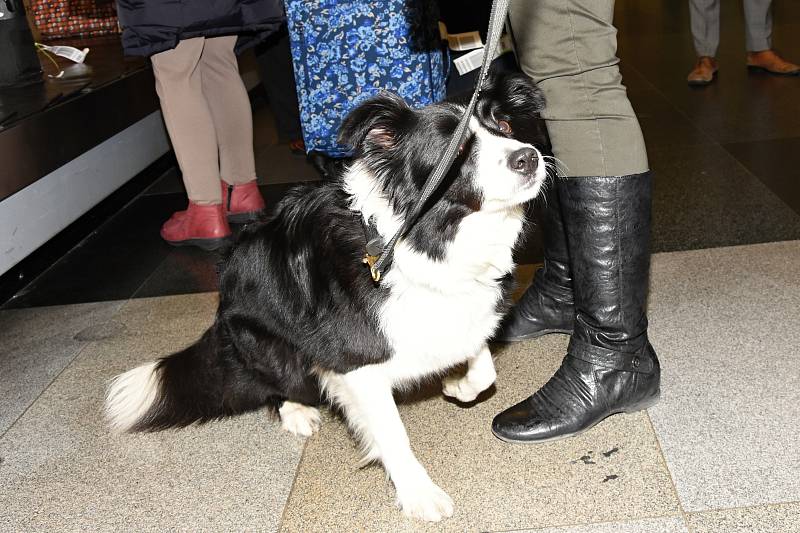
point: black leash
(379, 264)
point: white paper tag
(69, 52)
(471, 61)
(461, 42)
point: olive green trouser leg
(569, 49)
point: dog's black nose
(523, 160)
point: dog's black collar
(373, 244)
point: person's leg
(758, 33)
(233, 123)
(188, 119)
(547, 306)
(194, 140)
(230, 110)
(704, 17)
(568, 48)
(758, 25)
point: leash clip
(371, 260)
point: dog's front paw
(425, 502)
(459, 388)
(299, 419)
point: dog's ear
(375, 123)
(514, 98)
(511, 94)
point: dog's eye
(461, 149)
(504, 126)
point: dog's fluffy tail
(197, 384)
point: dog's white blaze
(131, 395)
(501, 186)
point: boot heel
(647, 403)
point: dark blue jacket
(152, 26)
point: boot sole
(641, 406)
(208, 245)
(700, 83)
(703, 83)
(754, 68)
(246, 218)
(529, 336)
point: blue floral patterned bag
(346, 51)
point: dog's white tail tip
(131, 395)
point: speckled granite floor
(716, 454)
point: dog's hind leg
(479, 377)
(365, 395)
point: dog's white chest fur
(441, 312)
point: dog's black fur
(294, 294)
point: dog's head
(497, 168)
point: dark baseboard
(27, 270)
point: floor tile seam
(92, 234)
(772, 139)
(74, 358)
(689, 250)
(592, 523)
(759, 180)
(292, 488)
(160, 193)
(749, 172)
(49, 384)
(712, 140)
(147, 278)
(665, 464)
(769, 505)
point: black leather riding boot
(610, 366)
(546, 307)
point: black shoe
(546, 307)
(610, 366)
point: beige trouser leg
(569, 49)
(230, 109)
(207, 113)
(188, 119)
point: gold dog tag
(371, 260)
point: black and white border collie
(301, 322)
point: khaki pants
(569, 49)
(207, 113)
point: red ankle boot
(243, 203)
(203, 226)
